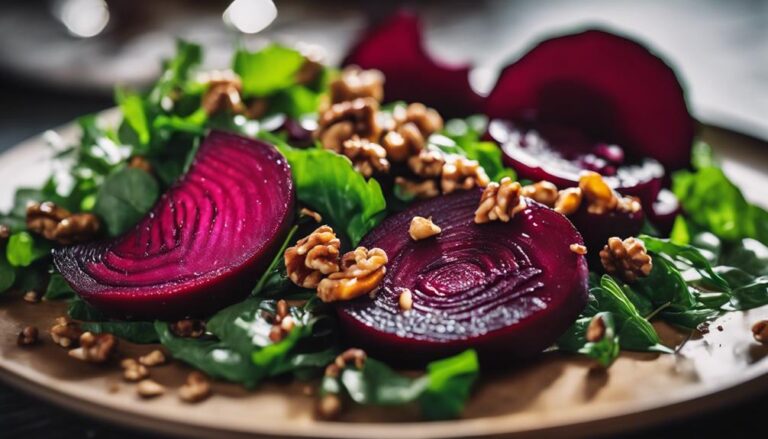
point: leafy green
(23, 249)
(467, 143)
(7, 274)
(687, 256)
(274, 273)
(58, 288)
(441, 393)
(80, 310)
(713, 202)
(132, 107)
(176, 71)
(124, 198)
(267, 71)
(210, 355)
(328, 183)
(240, 348)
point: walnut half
(58, 224)
(500, 201)
(627, 259)
(313, 257)
(361, 272)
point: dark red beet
(664, 211)
(201, 247)
(559, 156)
(396, 47)
(610, 88)
(597, 228)
(506, 289)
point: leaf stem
(657, 310)
(263, 280)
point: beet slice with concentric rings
(506, 289)
(612, 89)
(203, 244)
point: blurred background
(62, 58)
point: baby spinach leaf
(210, 355)
(58, 288)
(441, 393)
(688, 256)
(328, 183)
(23, 249)
(268, 70)
(79, 309)
(487, 154)
(606, 350)
(7, 274)
(124, 198)
(176, 71)
(713, 202)
(748, 254)
(134, 115)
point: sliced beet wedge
(611, 89)
(506, 289)
(396, 47)
(560, 155)
(203, 244)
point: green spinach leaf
(124, 198)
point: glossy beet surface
(597, 228)
(396, 47)
(610, 88)
(560, 155)
(506, 289)
(203, 244)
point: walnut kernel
(460, 173)
(313, 257)
(196, 389)
(568, 201)
(188, 328)
(355, 82)
(65, 333)
(417, 189)
(223, 93)
(357, 117)
(133, 371)
(427, 164)
(423, 228)
(148, 388)
(95, 348)
(596, 329)
(362, 271)
(28, 336)
(154, 358)
(627, 259)
(760, 331)
(58, 224)
(500, 201)
(543, 192)
(367, 157)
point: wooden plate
(553, 394)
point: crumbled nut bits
(760, 331)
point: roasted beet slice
(560, 155)
(204, 243)
(610, 88)
(506, 289)
(597, 228)
(396, 47)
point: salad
(341, 225)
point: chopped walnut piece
(283, 322)
(367, 157)
(568, 201)
(31, 296)
(196, 389)
(65, 333)
(355, 82)
(500, 201)
(223, 93)
(405, 300)
(760, 331)
(43, 218)
(329, 406)
(345, 119)
(313, 257)
(417, 189)
(133, 371)
(426, 119)
(5, 233)
(460, 173)
(140, 162)
(427, 164)
(362, 271)
(309, 71)
(543, 192)
(148, 388)
(599, 196)
(28, 336)
(402, 142)
(596, 329)
(578, 249)
(627, 259)
(95, 348)
(423, 228)
(58, 224)
(312, 214)
(154, 358)
(188, 328)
